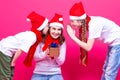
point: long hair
(83, 37)
(61, 37)
(83, 30)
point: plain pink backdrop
(13, 15)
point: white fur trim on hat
(43, 25)
(78, 17)
(56, 24)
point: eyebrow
(56, 28)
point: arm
(87, 46)
(26, 40)
(44, 54)
(17, 54)
(61, 58)
(40, 55)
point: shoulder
(97, 21)
(97, 18)
(63, 44)
(26, 34)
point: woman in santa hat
(12, 46)
(50, 53)
(98, 28)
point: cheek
(60, 32)
(77, 24)
(51, 32)
(45, 31)
(74, 23)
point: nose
(56, 31)
(47, 28)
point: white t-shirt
(104, 29)
(22, 40)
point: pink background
(13, 20)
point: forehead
(56, 27)
(73, 20)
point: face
(45, 30)
(55, 31)
(76, 23)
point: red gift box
(54, 52)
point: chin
(77, 26)
(55, 37)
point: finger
(68, 28)
(74, 31)
(68, 25)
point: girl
(12, 46)
(98, 28)
(49, 67)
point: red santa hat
(38, 22)
(57, 20)
(77, 11)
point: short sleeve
(95, 30)
(26, 39)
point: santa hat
(57, 20)
(77, 11)
(38, 22)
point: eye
(79, 20)
(54, 28)
(59, 29)
(72, 21)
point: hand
(47, 51)
(70, 31)
(12, 63)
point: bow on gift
(54, 45)
(49, 41)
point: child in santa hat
(12, 46)
(98, 28)
(48, 66)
